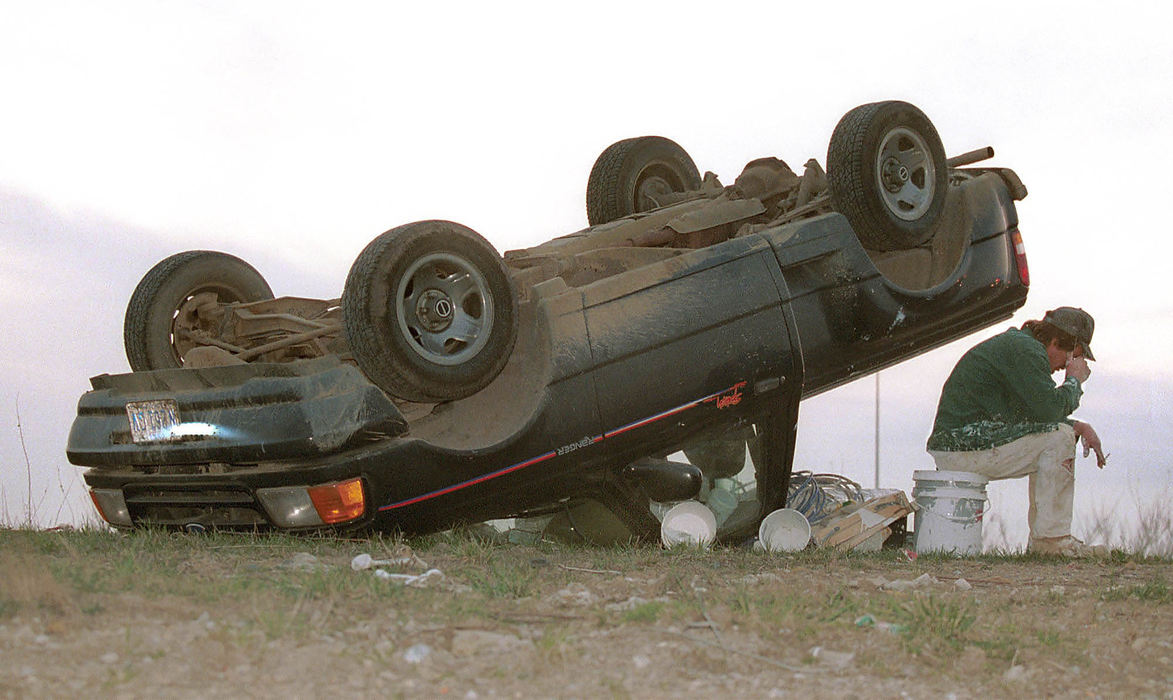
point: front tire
(887, 174)
(429, 312)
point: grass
(936, 622)
(718, 603)
(644, 612)
(1154, 591)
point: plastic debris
(417, 653)
(836, 659)
(364, 561)
(919, 582)
(415, 580)
(869, 620)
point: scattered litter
(417, 653)
(903, 585)
(869, 620)
(590, 571)
(835, 659)
(364, 561)
(401, 556)
(632, 603)
(908, 554)
(415, 580)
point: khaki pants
(1040, 456)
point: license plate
(153, 421)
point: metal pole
(877, 437)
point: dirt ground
(211, 617)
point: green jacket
(1000, 391)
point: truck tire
(887, 174)
(168, 298)
(631, 175)
(429, 312)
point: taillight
(1020, 257)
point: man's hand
(1077, 367)
(1091, 441)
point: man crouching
(1001, 415)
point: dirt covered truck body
(659, 355)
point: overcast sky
(291, 133)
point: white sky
(291, 133)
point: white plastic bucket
(784, 530)
(688, 523)
(950, 506)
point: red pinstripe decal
(553, 453)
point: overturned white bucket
(688, 523)
(784, 530)
(949, 509)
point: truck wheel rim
(444, 309)
(651, 192)
(905, 174)
(197, 317)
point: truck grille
(224, 508)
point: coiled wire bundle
(818, 495)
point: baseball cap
(1074, 322)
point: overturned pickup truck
(659, 355)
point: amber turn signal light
(339, 502)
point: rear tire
(632, 175)
(167, 302)
(429, 312)
(887, 174)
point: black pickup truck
(659, 355)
